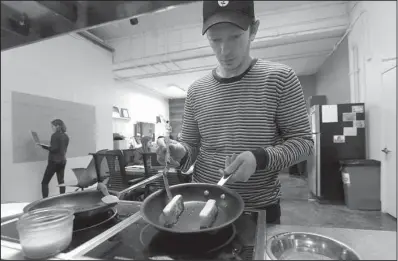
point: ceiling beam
(65, 9)
(70, 16)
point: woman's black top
(58, 147)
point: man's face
(230, 44)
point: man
(247, 116)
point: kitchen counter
(369, 244)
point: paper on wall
(349, 116)
(357, 108)
(338, 139)
(350, 131)
(359, 124)
(329, 113)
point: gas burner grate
(247, 253)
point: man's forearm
(290, 152)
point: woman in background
(56, 156)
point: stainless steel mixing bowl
(308, 246)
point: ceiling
(25, 22)
(166, 48)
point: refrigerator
(338, 132)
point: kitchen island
(369, 244)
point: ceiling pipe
(210, 67)
(258, 44)
(91, 38)
(279, 58)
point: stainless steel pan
(85, 203)
(230, 207)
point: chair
(118, 180)
(85, 176)
(128, 156)
(100, 169)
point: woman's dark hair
(59, 124)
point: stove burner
(161, 244)
(83, 224)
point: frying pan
(86, 204)
(230, 207)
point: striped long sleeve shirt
(263, 111)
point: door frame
(387, 64)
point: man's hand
(241, 167)
(177, 152)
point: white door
(389, 132)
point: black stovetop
(142, 241)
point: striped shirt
(263, 110)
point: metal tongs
(225, 177)
(166, 167)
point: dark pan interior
(229, 208)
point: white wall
(72, 69)
(308, 83)
(143, 105)
(332, 77)
(374, 34)
(65, 68)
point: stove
(123, 234)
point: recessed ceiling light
(175, 89)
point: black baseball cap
(239, 13)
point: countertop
(369, 244)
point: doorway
(389, 132)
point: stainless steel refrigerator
(338, 132)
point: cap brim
(240, 20)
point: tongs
(175, 206)
(225, 177)
(166, 168)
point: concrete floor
(298, 209)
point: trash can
(361, 180)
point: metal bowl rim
(275, 237)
